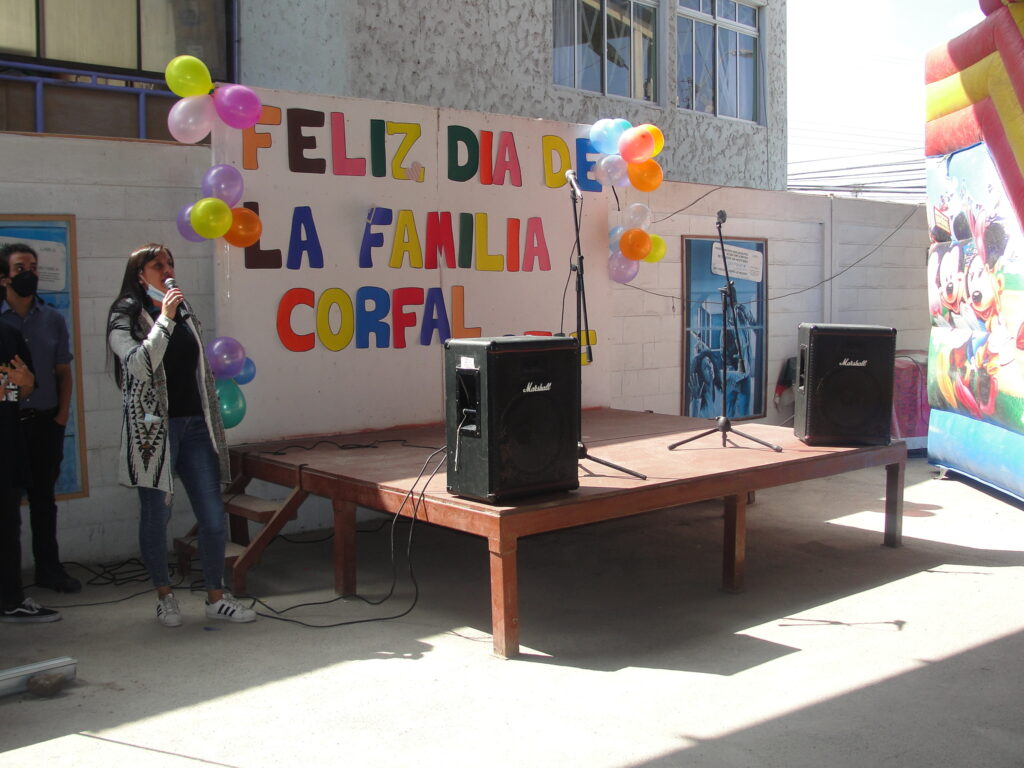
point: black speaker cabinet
(844, 384)
(511, 415)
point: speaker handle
(801, 375)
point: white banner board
(388, 228)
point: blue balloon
(604, 137)
(248, 372)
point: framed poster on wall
(742, 347)
(52, 237)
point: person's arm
(64, 388)
(62, 373)
(139, 358)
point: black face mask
(25, 283)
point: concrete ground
(841, 652)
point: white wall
(809, 238)
(126, 193)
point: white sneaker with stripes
(167, 611)
(229, 609)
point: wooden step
(251, 507)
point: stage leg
(344, 547)
(504, 597)
(894, 481)
(734, 555)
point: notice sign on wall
(744, 263)
(387, 229)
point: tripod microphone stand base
(723, 425)
(584, 455)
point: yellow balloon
(658, 248)
(188, 76)
(659, 137)
(211, 217)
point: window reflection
(704, 64)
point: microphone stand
(728, 293)
(583, 327)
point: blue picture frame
(53, 238)
(703, 353)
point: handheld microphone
(186, 309)
(570, 176)
(721, 217)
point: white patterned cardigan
(144, 457)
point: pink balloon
(621, 269)
(636, 145)
(238, 106)
(191, 118)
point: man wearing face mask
(44, 414)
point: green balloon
(232, 402)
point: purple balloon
(225, 183)
(238, 106)
(185, 228)
(226, 356)
(621, 269)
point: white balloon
(639, 216)
(616, 169)
(191, 118)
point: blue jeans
(195, 462)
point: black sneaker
(29, 612)
(60, 582)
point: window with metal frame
(607, 46)
(119, 36)
(718, 57)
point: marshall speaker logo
(848, 363)
(531, 387)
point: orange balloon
(635, 244)
(245, 229)
(645, 176)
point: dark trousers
(10, 547)
(45, 440)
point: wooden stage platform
(381, 477)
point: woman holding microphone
(171, 423)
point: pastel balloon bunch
(216, 215)
(191, 118)
(230, 367)
(628, 153)
(632, 242)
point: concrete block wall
(125, 193)
(874, 253)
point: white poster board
(388, 228)
(744, 263)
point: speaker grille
(844, 384)
(523, 396)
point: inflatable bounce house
(974, 140)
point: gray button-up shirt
(46, 334)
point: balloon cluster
(230, 367)
(190, 120)
(631, 243)
(628, 153)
